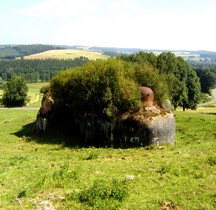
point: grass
(51, 170)
(67, 54)
(34, 94)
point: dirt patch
(167, 205)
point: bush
(15, 92)
(90, 100)
(106, 87)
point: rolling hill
(14, 51)
(67, 54)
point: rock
(149, 126)
(46, 205)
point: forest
(37, 70)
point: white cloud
(124, 23)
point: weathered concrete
(44, 113)
(149, 126)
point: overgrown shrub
(91, 99)
(106, 87)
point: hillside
(67, 54)
(50, 169)
(14, 51)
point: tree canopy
(207, 78)
(15, 92)
(184, 85)
(37, 70)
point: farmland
(51, 169)
(67, 54)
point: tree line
(207, 74)
(37, 70)
(14, 51)
(181, 78)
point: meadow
(52, 170)
(67, 54)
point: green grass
(34, 94)
(50, 168)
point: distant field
(202, 109)
(67, 54)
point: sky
(146, 24)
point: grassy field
(34, 94)
(51, 170)
(67, 54)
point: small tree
(15, 92)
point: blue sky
(148, 24)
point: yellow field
(203, 109)
(207, 109)
(67, 54)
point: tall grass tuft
(105, 194)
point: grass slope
(41, 170)
(34, 94)
(67, 54)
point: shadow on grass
(211, 113)
(68, 136)
(53, 135)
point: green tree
(141, 57)
(182, 79)
(193, 90)
(15, 92)
(207, 79)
